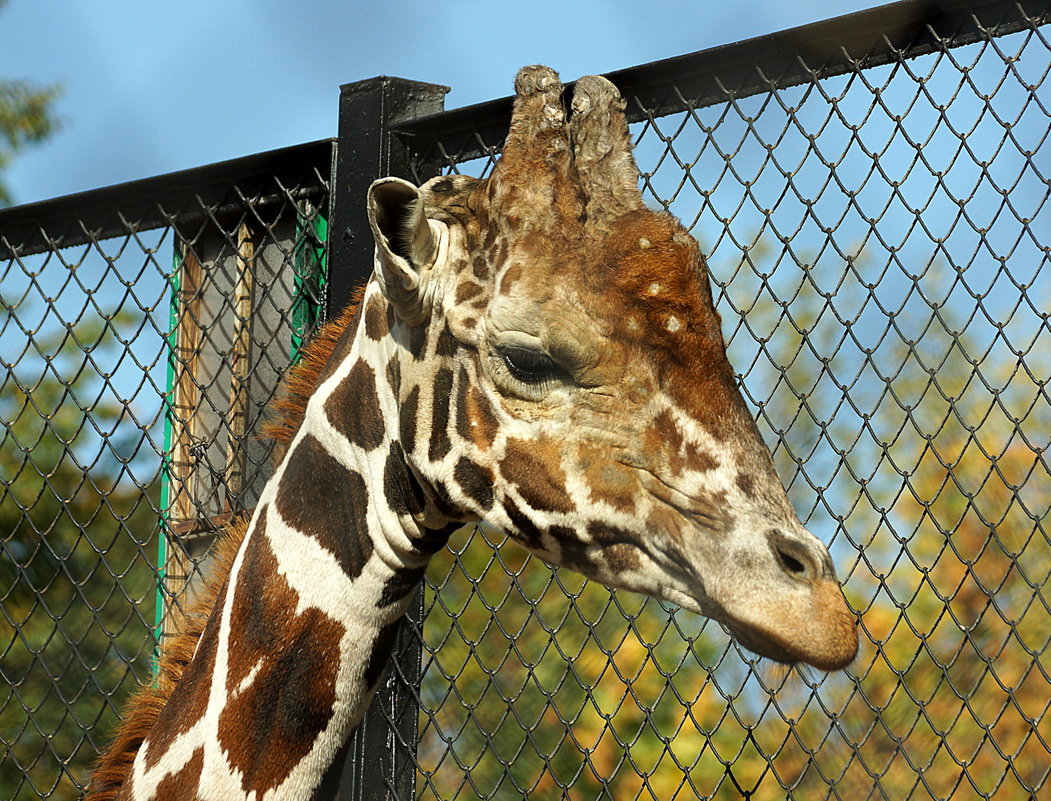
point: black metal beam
(366, 151)
(158, 201)
(849, 43)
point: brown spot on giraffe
(393, 373)
(573, 552)
(432, 540)
(503, 248)
(439, 497)
(376, 324)
(534, 468)
(379, 652)
(446, 345)
(665, 433)
(475, 420)
(417, 344)
(698, 459)
(189, 698)
(444, 186)
(523, 527)
(608, 480)
(468, 290)
(316, 489)
(184, 783)
(621, 557)
(268, 727)
(476, 481)
(440, 444)
(618, 547)
(353, 408)
(400, 585)
(665, 437)
(512, 276)
(402, 491)
(407, 419)
(746, 483)
(256, 597)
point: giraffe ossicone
(538, 350)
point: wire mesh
(122, 400)
(878, 244)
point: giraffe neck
(303, 629)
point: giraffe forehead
(645, 266)
(654, 267)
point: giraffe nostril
(792, 556)
(791, 564)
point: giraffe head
(561, 374)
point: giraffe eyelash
(531, 367)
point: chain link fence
(143, 332)
(874, 198)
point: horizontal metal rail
(849, 43)
(154, 202)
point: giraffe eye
(530, 366)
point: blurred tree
(952, 697)
(26, 118)
(946, 433)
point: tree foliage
(77, 540)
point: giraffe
(538, 350)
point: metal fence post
(367, 150)
(379, 762)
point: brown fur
(142, 710)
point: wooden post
(178, 566)
(239, 362)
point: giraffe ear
(406, 246)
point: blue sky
(152, 87)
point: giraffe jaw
(823, 635)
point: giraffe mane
(287, 410)
(286, 415)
